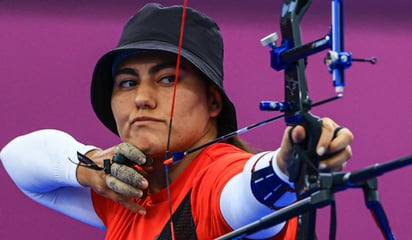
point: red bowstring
(166, 162)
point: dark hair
(238, 142)
(221, 130)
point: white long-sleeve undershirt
(39, 164)
(239, 207)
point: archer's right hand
(124, 183)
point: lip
(144, 119)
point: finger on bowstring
(131, 153)
(129, 175)
(123, 188)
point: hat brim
(102, 84)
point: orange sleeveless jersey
(205, 176)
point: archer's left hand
(333, 146)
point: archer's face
(142, 100)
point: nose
(145, 96)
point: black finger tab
(121, 159)
(106, 164)
(149, 161)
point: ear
(214, 100)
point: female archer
(134, 88)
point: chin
(150, 149)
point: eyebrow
(154, 69)
(158, 67)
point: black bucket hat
(155, 27)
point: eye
(128, 83)
(167, 79)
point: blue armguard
(267, 187)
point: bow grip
(303, 169)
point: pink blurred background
(48, 50)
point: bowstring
(167, 156)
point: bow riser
(303, 170)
